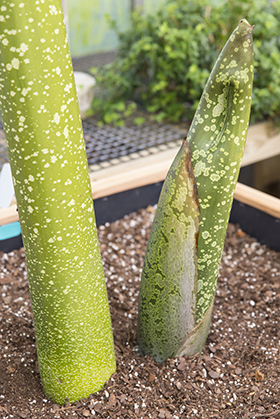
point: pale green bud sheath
(167, 300)
(48, 159)
(217, 139)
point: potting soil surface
(236, 376)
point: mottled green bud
(179, 278)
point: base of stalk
(195, 341)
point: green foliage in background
(165, 59)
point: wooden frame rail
(243, 193)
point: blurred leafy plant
(164, 60)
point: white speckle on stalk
(214, 177)
(14, 64)
(24, 91)
(66, 132)
(23, 47)
(218, 109)
(67, 89)
(56, 118)
(53, 10)
(205, 234)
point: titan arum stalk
(184, 251)
(49, 166)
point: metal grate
(112, 145)
(86, 62)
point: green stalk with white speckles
(47, 154)
(179, 279)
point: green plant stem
(49, 165)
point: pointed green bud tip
(243, 23)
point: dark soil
(236, 376)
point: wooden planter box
(124, 188)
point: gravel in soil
(236, 376)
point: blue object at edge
(10, 230)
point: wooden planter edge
(243, 193)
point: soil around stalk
(236, 376)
